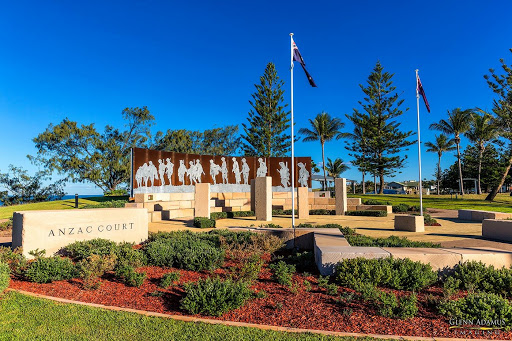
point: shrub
(6, 225)
(93, 267)
(282, 273)
(108, 204)
(368, 213)
(184, 252)
(15, 259)
(250, 269)
(129, 276)
(214, 297)
(332, 289)
(391, 241)
(478, 276)
(127, 255)
(83, 249)
(271, 226)
(218, 215)
(482, 306)
(375, 202)
(322, 212)
(323, 281)
(416, 208)
(170, 278)
(450, 286)
(429, 221)
(235, 214)
(387, 304)
(204, 223)
(390, 272)
(400, 208)
(302, 260)
(5, 276)
(46, 270)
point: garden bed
(309, 301)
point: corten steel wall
(141, 156)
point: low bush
(218, 215)
(5, 276)
(400, 208)
(282, 272)
(93, 267)
(478, 276)
(234, 214)
(391, 241)
(478, 306)
(6, 225)
(281, 212)
(127, 255)
(129, 276)
(390, 272)
(375, 202)
(83, 249)
(303, 261)
(214, 296)
(322, 212)
(186, 251)
(368, 213)
(46, 270)
(271, 226)
(429, 221)
(250, 269)
(15, 259)
(387, 304)
(169, 279)
(204, 223)
(107, 204)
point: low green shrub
(368, 213)
(429, 221)
(282, 272)
(390, 272)
(127, 255)
(93, 267)
(46, 270)
(107, 204)
(303, 261)
(15, 259)
(322, 212)
(478, 306)
(281, 212)
(83, 249)
(204, 223)
(387, 304)
(214, 297)
(6, 225)
(233, 214)
(170, 278)
(478, 276)
(401, 208)
(186, 251)
(375, 202)
(116, 193)
(250, 269)
(129, 276)
(416, 208)
(391, 241)
(5, 276)
(271, 226)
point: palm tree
(441, 145)
(337, 167)
(481, 132)
(458, 123)
(324, 128)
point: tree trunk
(480, 170)
(364, 185)
(323, 166)
(439, 175)
(374, 183)
(496, 189)
(381, 189)
(461, 183)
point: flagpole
(419, 144)
(293, 156)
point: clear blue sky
(194, 63)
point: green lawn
(28, 318)
(6, 211)
(502, 203)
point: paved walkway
(453, 232)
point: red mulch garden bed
(280, 307)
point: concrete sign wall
(51, 230)
(155, 171)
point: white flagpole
(419, 143)
(293, 159)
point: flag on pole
(298, 58)
(419, 89)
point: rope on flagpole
(419, 144)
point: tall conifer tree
(268, 122)
(381, 106)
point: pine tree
(265, 132)
(381, 107)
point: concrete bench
(411, 223)
(497, 229)
(477, 215)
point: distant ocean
(72, 196)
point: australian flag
(420, 90)
(298, 58)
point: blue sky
(195, 63)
